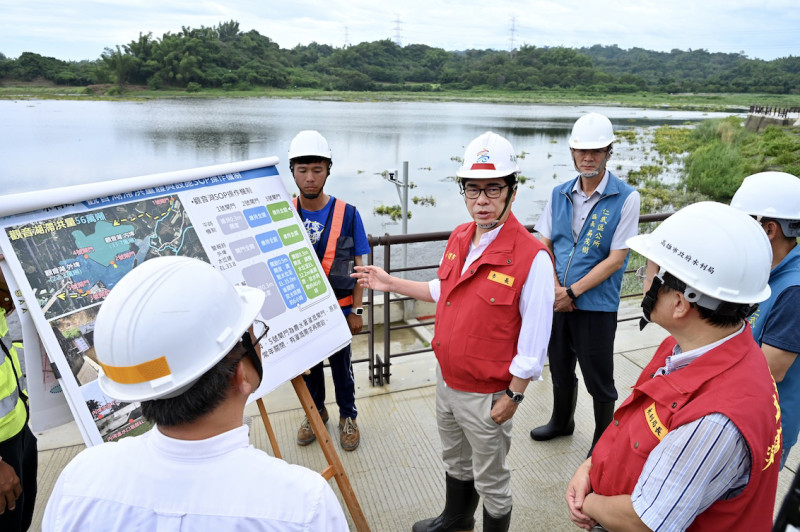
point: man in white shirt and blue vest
(585, 225)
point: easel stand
(335, 468)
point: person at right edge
(697, 443)
(773, 198)
(585, 225)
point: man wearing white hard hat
(340, 241)
(176, 335)
(494, 297)
(585, 224)
(773, 198)
(697, 443)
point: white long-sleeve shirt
(535, 307)
(156, 483)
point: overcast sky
(81, 29)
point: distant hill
(225, 57)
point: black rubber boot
(603, 414)
(496, 524)
(461, 501)
(562, 422)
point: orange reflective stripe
(334, 231)
(333, 236)
(144, 372)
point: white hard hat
(715, 249)
(590, 132)
(773, 195)
(488, 156)
(165, 324)
(309, 143)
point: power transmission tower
(398, 31)
(512, 38)
(346, 37)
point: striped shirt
(694, 465)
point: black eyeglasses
(260, 330)
(492, 191)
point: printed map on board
(74, 261)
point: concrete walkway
(397, 473)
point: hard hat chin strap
(502, 213)
(250, 351)
(602, 165)
(315, 196)
(489, 225)
(649, 300)
(712, 305)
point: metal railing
(380, 363)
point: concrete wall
(758, 123)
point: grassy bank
(703, 102)
(716, 155)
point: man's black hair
(310, 159)
(725, 315)
(206, 394)
(764, 220)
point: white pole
(408, 306)
(405, 211)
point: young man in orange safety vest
(338, 236)
(494, 295)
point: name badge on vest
(654, 422)
(501, 278)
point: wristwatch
(570, 293)
(517, 397)
(358, 311)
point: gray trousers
(473, 445)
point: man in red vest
(697, 444)
(494, 295)
(337, 234)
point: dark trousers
(588, 338)
(343, 383)
(21, 453)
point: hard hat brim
(483, 174)
(647, 246)
(253, 300)
(576, 145)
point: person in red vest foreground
(697, 444)
(175, 334)
(494, 296)
(337, 234)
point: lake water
(47, 144)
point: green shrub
(716, 170)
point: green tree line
(226, 57)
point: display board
(44, 390)
(67, 248)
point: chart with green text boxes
(288, 280)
